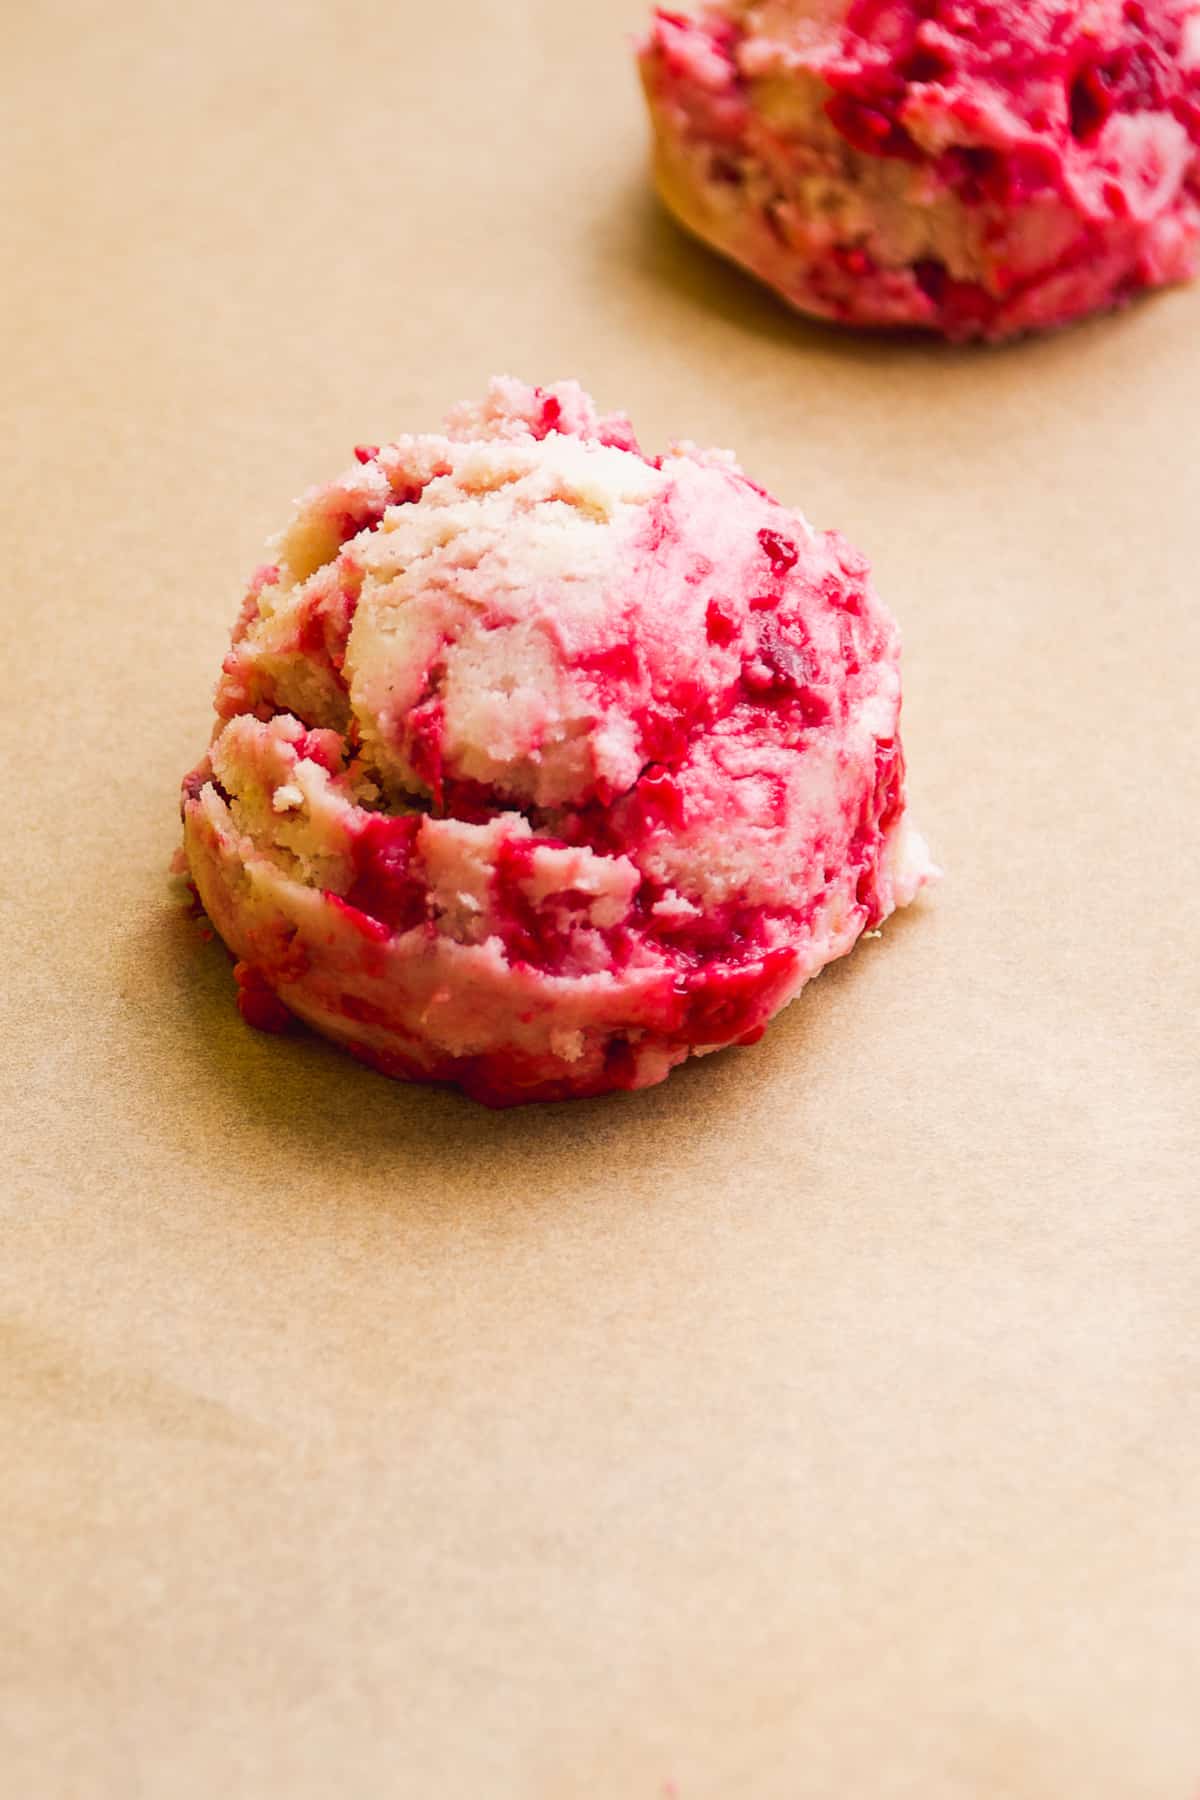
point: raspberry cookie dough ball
(971, 167)
(541, 764)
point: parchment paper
(825, 1423)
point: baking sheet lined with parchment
(824, 1421)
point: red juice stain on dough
(853, 260)
(385, 888)
(426, 728)
(1092, 102)
(664, 734)
(660, 799)
(879, 815)
(958, 302)
(366, 1012)
(720, 623)
(322, 747)
(375, 933)
(780, 552)
(618, 665)
(782, 556)
(258, 1002)
(724, 1004)
(471, 802)
(870, 128)
(323, 629)
(889, 783)
(535, 933)
(410, 493)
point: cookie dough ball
(541, 764)
(971, 167)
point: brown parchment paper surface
(823, 1423)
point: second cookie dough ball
(971, 168)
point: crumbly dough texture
(977, 168)
(541, 764)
